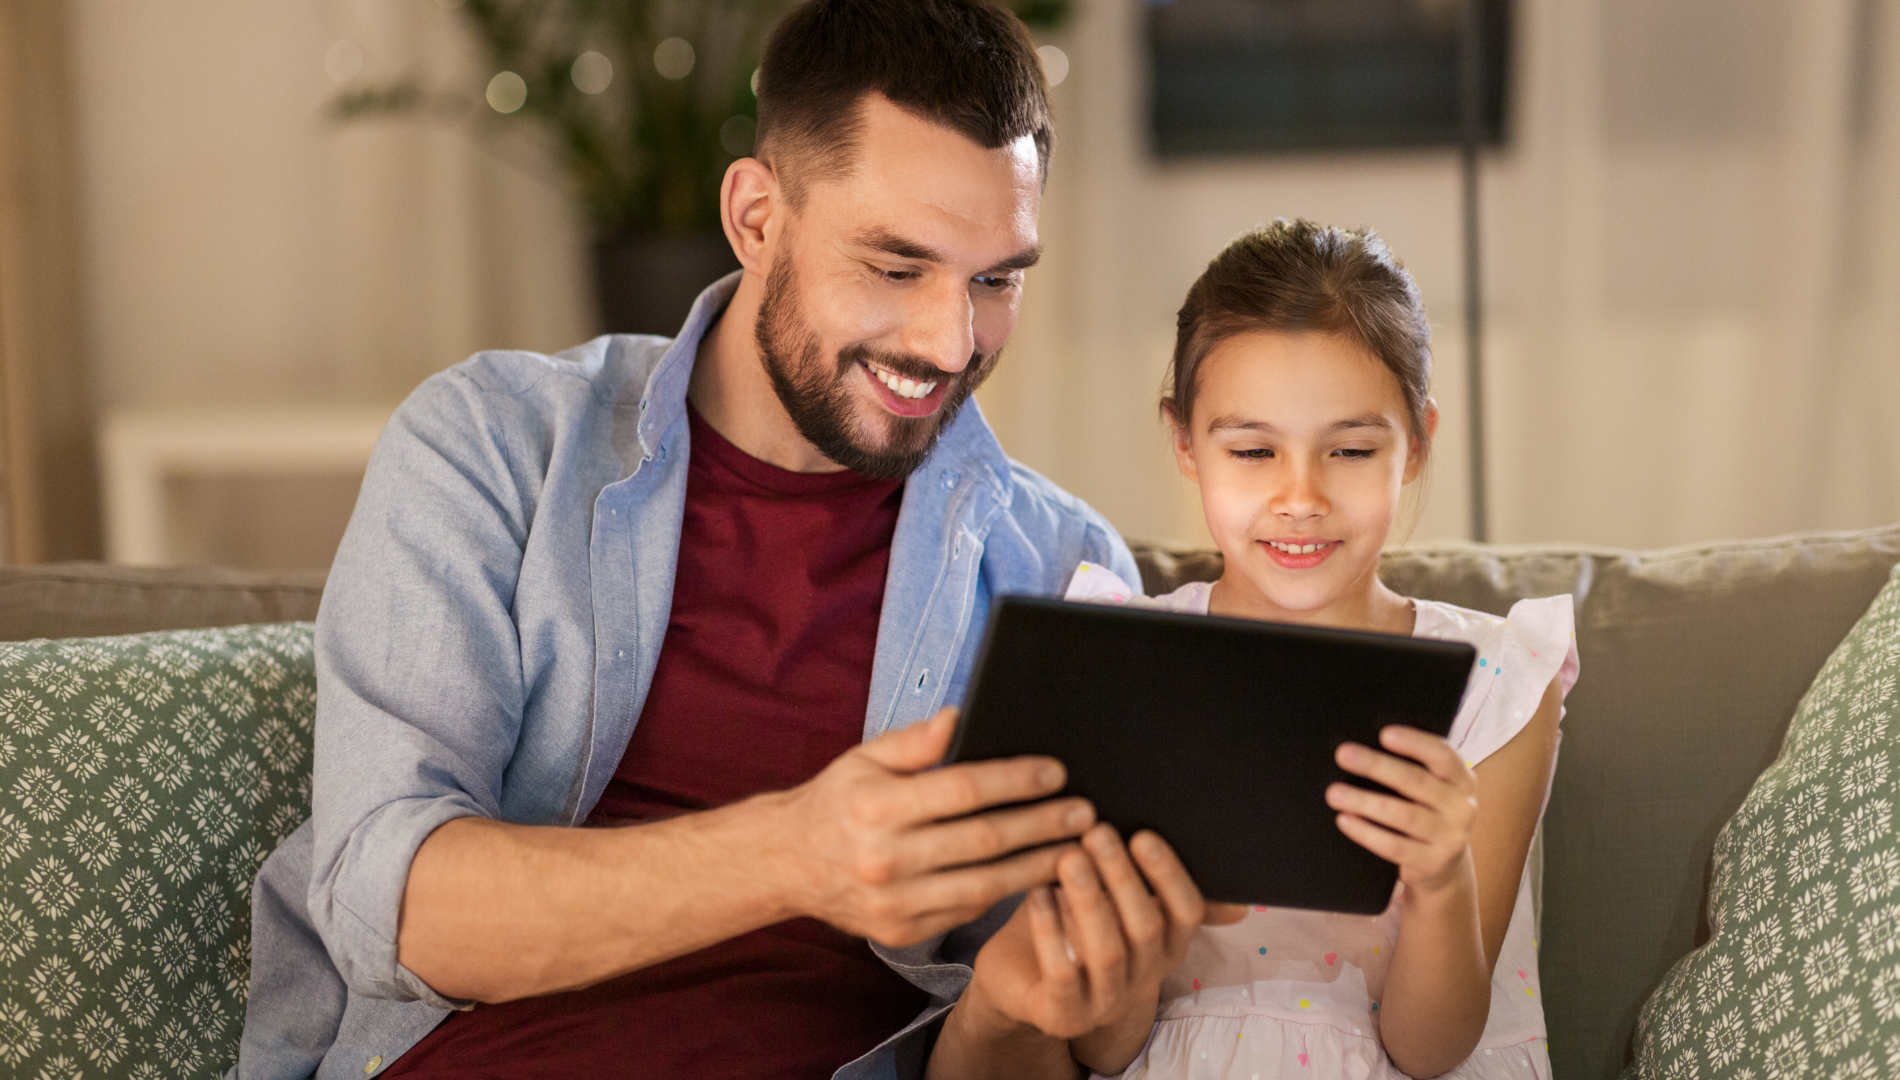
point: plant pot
(645, 283)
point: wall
(1692, 245)
(244, 248)
(1691, 274)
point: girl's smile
(1300, 554)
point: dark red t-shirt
(763, 679)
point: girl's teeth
(1297, 549)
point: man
(665, 590)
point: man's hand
(882, 845)
(1082, 961)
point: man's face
(893, 289)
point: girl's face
(1300, 443)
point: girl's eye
(1254, 454)
(1354, 453)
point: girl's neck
(1369, 605)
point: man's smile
(901, 386)
(902, 395)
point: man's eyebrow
(1022, 260)
(890, 243)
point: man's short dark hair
(966, 65)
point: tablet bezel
(1091, 684)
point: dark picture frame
(1279, 76)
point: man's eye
(995, 283)
(895, 275)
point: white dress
(1294, 993)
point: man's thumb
(917, 747)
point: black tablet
(1216, 733)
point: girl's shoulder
(1099, 585)
(1520, 654)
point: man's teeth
(902, 387)
(1298, 549)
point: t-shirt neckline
(723, 455)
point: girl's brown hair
(1294, 276)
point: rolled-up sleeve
(419, 673)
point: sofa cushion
(1693, 661)
(1801, 975)
(58, 600)
(142, 781)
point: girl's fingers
(1094, 926)
(1179, 896)
(1408, 778)
(1387, 845)
(1142, 922)
(1425, 748)
(1399, 815)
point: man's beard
(820, 401)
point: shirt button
(950, 478)
(373, 1064)
(620, 654)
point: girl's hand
(1084, 959)
(1428, 831)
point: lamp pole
(1470, 137)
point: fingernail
(1077, 818)
(1050, 777)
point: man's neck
(732, 391)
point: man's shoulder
(601, 370)
(1036, 497)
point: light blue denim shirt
(490, 630)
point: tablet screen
(1216, 733)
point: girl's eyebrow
(1241, 423)
(1369, 420)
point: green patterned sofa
(143, 778)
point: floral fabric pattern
(143, 779)
(1801, 973)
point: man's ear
(750, 202)
(1183, 447)
(1415, 457)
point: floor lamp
(1470, 136)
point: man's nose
(940, 327)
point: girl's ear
(1421, 450)
(1183, 448)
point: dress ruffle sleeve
(1099, 583)
(1538, 645)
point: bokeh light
(673, 58)
(735, 135)
(344, 61)
(593, 72)
(1055, 64)
(507, 92)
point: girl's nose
(1301, 498)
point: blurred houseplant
(647, 102)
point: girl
(1299, 398)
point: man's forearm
(494, 911)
